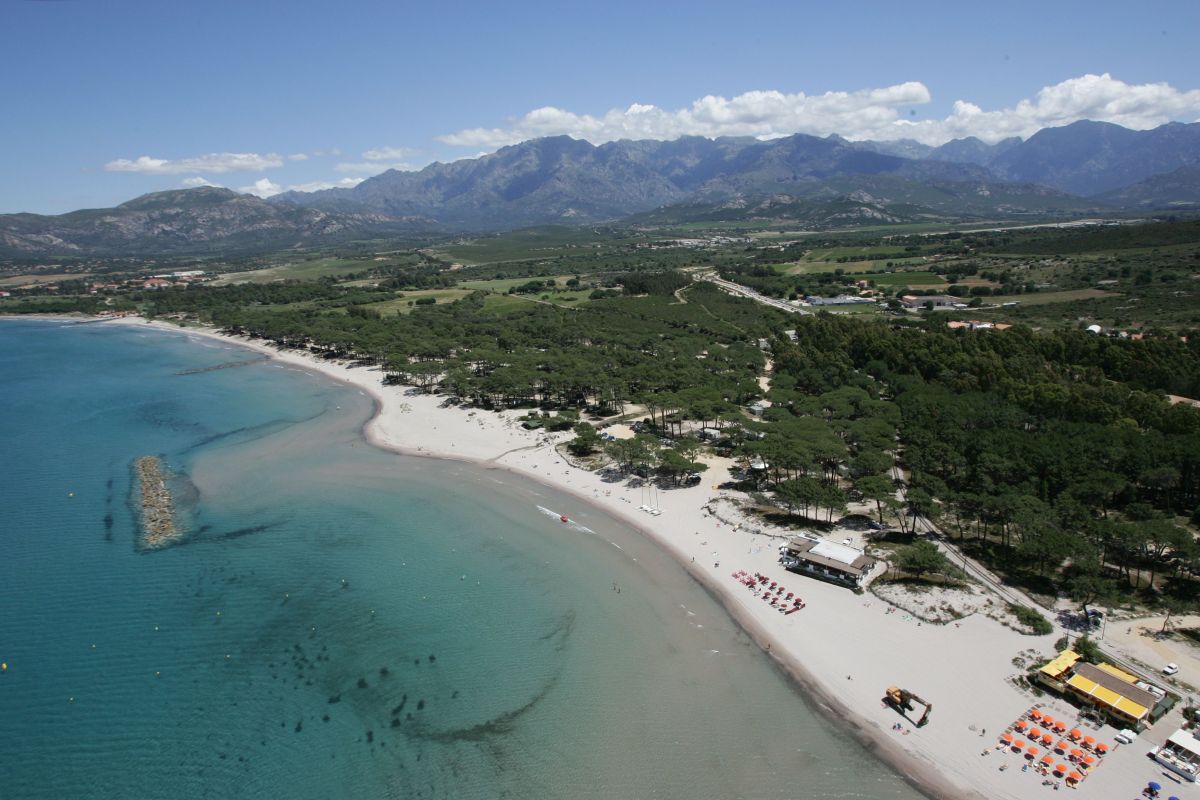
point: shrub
(1031, 618)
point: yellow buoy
(4, 666)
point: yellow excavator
(902, 700)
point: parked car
(1125, 736)
(1171, 669)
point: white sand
(843, 648)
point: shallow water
(342, 621)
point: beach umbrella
(1022, 724)
(1075, 776)
(1006, 737)
(1034, 713)
(1031, 752)
(1076, 733)
(1153, 786)
(1060, 726)
(1077, 753)
(1089, 740)
(1035, 733)
(1089, 760)
(790, 595)
(1018, 745)
(1047, 759)
(1061, 768)
(1061, 746)
(1047, 739)
(1047, 720)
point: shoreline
(884, 649)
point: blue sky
(108, 100)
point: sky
(105, 100)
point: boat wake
(566, 521)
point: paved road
(747, 292)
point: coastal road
(747, 292)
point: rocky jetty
(156, 504)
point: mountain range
(1083, 167)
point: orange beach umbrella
(1102, 748)
(1047, 739)
(1047, 759)
(1035, 714)
(1047, 719)
(1031, 752)
(1075, 776)
(1035, 733)
(1076, 733)
(1061, 746)
(1022, 724)
(1061, 768)
(1089, 740)
(1006, 737)
(1018, 745)
(1089, 760)
(1060, 726)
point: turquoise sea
(343, 622)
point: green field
(908, 279)
(401, 305)
(1045, 298)
(299, 271)
(543, 242)
(502, 285)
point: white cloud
(316, 186)
(763, 114)
(372, 167)
(191, 183)
(1095, 97)
(298, 157)
(388, 153)
(265, 187)
(865, 114)
(211, 162)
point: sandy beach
(844, 649)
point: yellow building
(1112, 691)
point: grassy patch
(401, 304)
(298, 271)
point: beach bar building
(1113, 692)
(1180, 754)
(829, 561)
(1056, 674)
